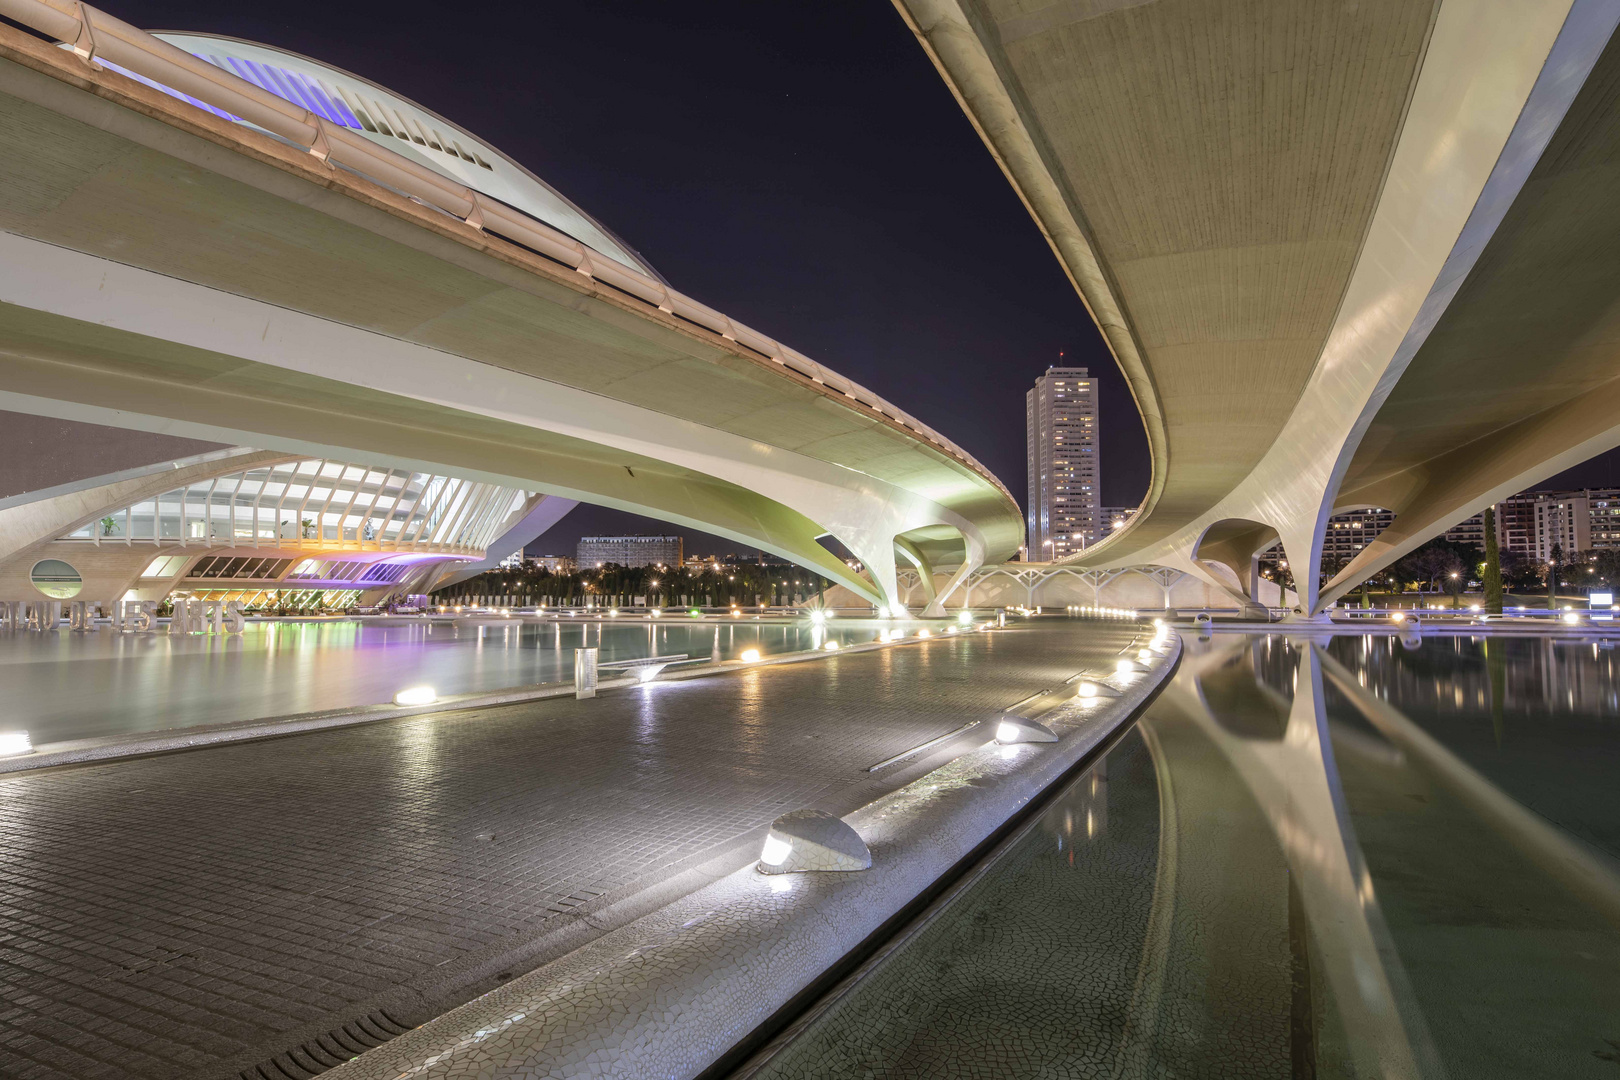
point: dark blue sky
(801, 167)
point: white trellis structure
(1033, 584)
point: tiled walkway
(196, 914)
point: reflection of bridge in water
(1292, 760)
(1279, 873)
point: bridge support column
(971, 561)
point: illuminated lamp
(416, 695)
(811, 840)
(750, 656)
(1016, 729)
(15, 743)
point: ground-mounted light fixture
(831, 646)
(1126, 666)
(1017, 729)
(924, 632)
(749, 656)
(965, 618)
(416, 695)
(811, 840)
(1090, 690)
(15, 743)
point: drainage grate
(328, 1051)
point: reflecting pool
(64, 685)
(1346, 857)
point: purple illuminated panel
(287, 85)
(187, 98)
(290, 86)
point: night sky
(800, 167)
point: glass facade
(318, 503)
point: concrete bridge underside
(1346, 254)
(167, 270)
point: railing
(94, 34)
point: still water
(63, 685)
(1309, 858)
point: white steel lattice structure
(264, 527)
(325, 504)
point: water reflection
(1336, 859)
(65, 685)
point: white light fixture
(818, 617)
(1125, 665)
(812, 840)
(924, 633)
(883, 613)
(965, 618)
(831, 646)
(750, 656)
(1088, 689)
(1144, 655)
(1571, 618)
(14, 743)
(416, 695)
(1016, 729)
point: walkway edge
(675, 991)
(171, 740)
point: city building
(1346, 534)
(1516, 523)
(1060, 414)
(1527, 524)
(1531, 522)
(1468, 531)
(554, 564)
(1563, 525)
(595, 551)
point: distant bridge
(329, 270)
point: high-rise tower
(1064, 491)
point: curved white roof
(403, 126)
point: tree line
(713, 585)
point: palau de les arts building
(266, 528)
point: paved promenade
(293, 901)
